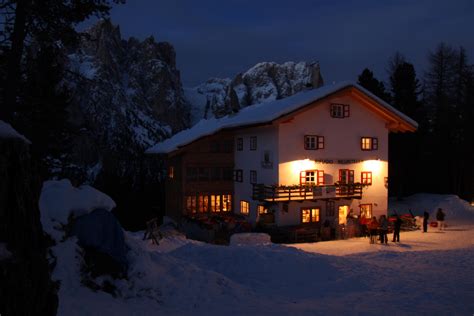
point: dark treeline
(439, 157)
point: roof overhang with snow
(269, 112)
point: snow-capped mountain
(127, 96)
(266, 81)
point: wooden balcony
(268, 193)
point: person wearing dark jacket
(396, 228)
(440, 218)
(426, 216)
(383, 222)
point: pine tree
(403, 148)
(367, 80)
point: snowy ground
(428, 273)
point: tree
(449, 98)
(34, 99)
(367, 80)
(405, 89)
(49, 22)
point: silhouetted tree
(403, 149)
(367, 80)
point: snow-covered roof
(263, 113)
(7, 131)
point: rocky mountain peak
(130, 95)
(266, 81)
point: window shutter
(375, 143)
(302, 177)
(346, 110)
(320, 142)
(320, 177)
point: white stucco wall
(267, 139)
(342, 142)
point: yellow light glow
(372, 165)
(301, 165)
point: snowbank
(59, 200)
(458, 211)
(424, 274)
(243, 239)
(7, 131)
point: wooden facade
(200, 177)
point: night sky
(222, 38)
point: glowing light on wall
(372, 165)
(301, 165)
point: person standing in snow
(440, 218)
(426, 216)
(396, 228)
(383, 222)
(373, 226)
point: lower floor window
(310, 215)
(244, 207)
(203, 203)
(261, 209)
(366, 177)
(366, 210)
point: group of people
(380, 228)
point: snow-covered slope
(458, 211)
(424, 274)
(266, 81)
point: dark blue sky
(223, 37)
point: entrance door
(343, 211)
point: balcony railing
(268, 193)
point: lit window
(238, 175)
(369, 143)
(226, 203)
(253, 176)
(244, 207)
(310, 215)
(366, 177)
(171, 172)
(339, 110)
(215, 203)
(312, 177)
(313, 142)
(261, 209)
(203, 203)
(366, 210)
(191, 204)
(253, 143)
(240, 144)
